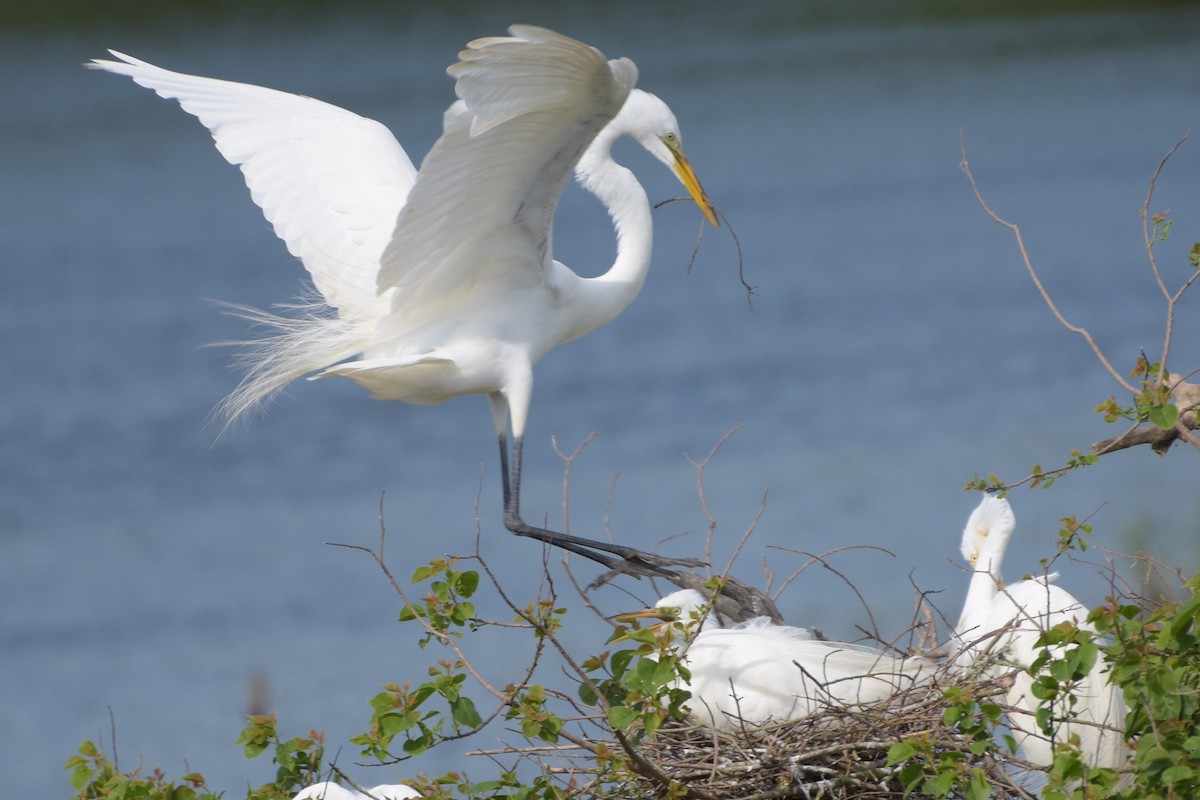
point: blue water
(897, 348)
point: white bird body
(441, 282)
(328, 790)
(1000, 625)
(759, 672)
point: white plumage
(998, 627)
(442, 282)
(759, 672)
(332, 791)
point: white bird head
(651, 123)
(987, 532)
(685, 605)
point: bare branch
(1037, 281)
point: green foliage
(529, 708)
(298, 760)
(446, 609)
(1156, 660)
(400, 709)
(925, 765)
(633, 689)
(95, 775)
(640, 688)
(1151, 403)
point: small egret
(758, 672)
(442, 282)
(332, 791)
(1002, 623)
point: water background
(897, 347)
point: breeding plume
(759, 672)
(441, 282)
(998, 629)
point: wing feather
(331, 182)
(484, 199)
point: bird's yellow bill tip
(636, 616)
(690, 182)
(648, 613)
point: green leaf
(463, 612)
(418, 745)
(910, 776)
(463, 712)
(900, 751)
(1177, 774)
(621, 717)
(620, 662)
(1164, 416)
(466, 583)
(80, 776)
(978, 788)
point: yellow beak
(690, 182)
(634, 616)
(649, 613)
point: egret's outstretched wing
(331, 183)
(530, 104)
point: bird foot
(627, 560)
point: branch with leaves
(1162, 406)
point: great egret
(332, 791)
(758, 672)
(442, 282)
(1002, 623)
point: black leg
(636, 562)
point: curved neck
(981, 593)
(616, 187)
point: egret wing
(326, 790)
(331, 182)
(530, 104)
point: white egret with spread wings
(442, 282)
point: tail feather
(310, 338)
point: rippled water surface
(896, 349)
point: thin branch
(700, 467)
(1172, 299)
(568, 463)
(1037, 281)
(1147, 236)
(751, 291)
(639, 764)
(815, 558)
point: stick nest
(840, 752)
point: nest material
(840, 752)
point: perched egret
(441, 282)
(758, 672)
(332, 791)
(1002, 623)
